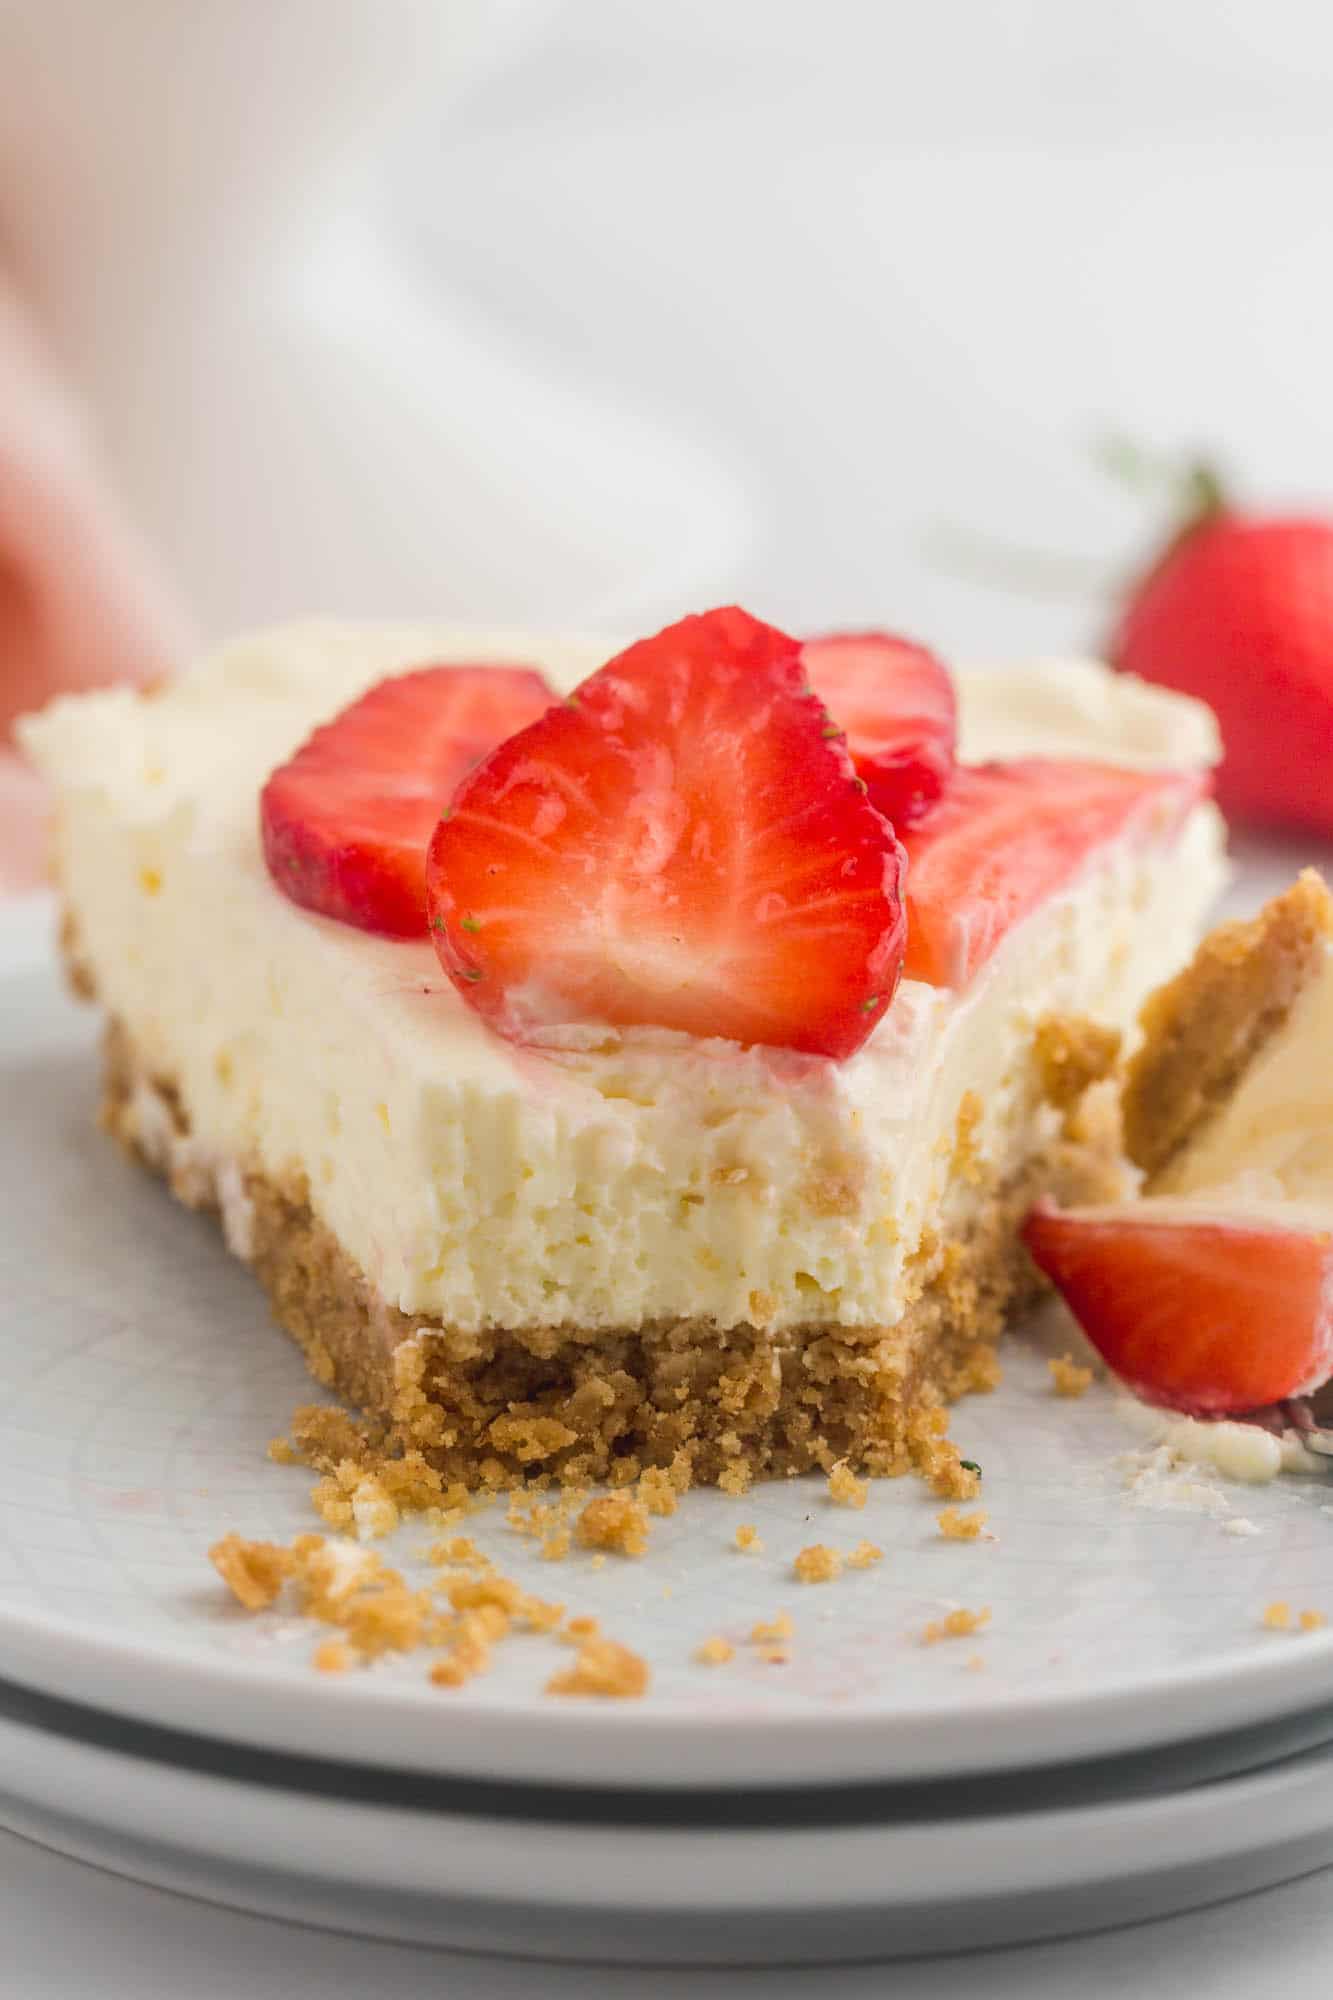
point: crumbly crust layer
(583, 1404)
(1203, 1029)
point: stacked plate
(1122, 1736)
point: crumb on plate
(614, 1521)
(955, 1526)
(844, 1488)
(715, 1652)
(959, 1624)
(254, 1572)
(748, 1539)
(817, 1564)
(1068, 1377)
(605, 1669)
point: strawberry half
(683, 843)
(896, 702)
(346, 821)
(1211, 1313)
(1005, 836)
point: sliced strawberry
(346, 821)
(1006, 836)
(1212, 1313)
(896, 702)
(683, 843)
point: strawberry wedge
(896, 702)
(1005, 836)
(1210, 1312)
(345, 822)
(685, 844)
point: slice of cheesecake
(629, 1245)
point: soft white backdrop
(595, 311)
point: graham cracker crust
(580, 1405)
(1203, 1029)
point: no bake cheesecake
(538, 1237)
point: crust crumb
(605, 1669)
(844, 1488)
(748, 1539)
(657, 1491)
(772, 1631)
(614, 1521)
(715, 1652)
(1068, 1377)
(817, 1564)
(1313, 1621)
(254, 1572)
(1072, 1054)
(1277, 1615)
(955, 1526)
(936, 1456)
(865, 1555)
(958, 1624)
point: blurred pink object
(80, 604)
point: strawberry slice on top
(346, 821)
(896, 702)
(684, 844)
(1213, 1313)
(1005, 836)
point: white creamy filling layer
(1237, 1451)
(632, 1176)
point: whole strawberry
(1239, 611)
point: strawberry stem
(1193, 484)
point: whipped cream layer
(629, 1175)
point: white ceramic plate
(140, 1380)
(547, 1883)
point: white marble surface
(70, 1930)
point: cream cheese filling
(627, 1176)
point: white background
(603, 310)
(599, 312)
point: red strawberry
(346, 821)
(682, 843)
(1210, 1313)
(1239, 611)
(896, 702)
(1005, 836)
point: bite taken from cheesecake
(1212, 1294)
(646, 1060)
